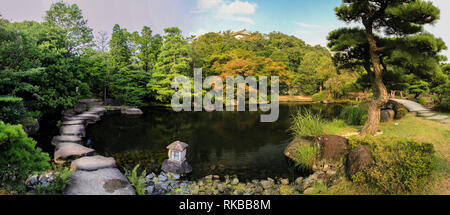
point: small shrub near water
(305, 123)
(354, 114)
(402, 166)
(137, 180)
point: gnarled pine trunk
(380, 95)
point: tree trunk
(380, 95)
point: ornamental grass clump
(305, 156)
(305, 123)
(354, 114)
(400, 167)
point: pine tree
(390, 28)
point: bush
(422, 100)
(12, 109)
(18, 157)
(400, 167)
(401, 112)
(354, 114)
(305, 123)
(305, 156)
(319, 97)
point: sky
(309, 20)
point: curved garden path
(422, 111)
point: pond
(221, 143)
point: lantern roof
(177, 146)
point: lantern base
(175, 167)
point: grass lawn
(409, 127)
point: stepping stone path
(94, 174)
(422, 111)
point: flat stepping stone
(107, 181)
(93, 163)
(75, 130)
(89, 116)
(437, 118)
(131, 111)
(65, 150)
(73, 122)
(86, 101)
(447, 121)
(97, 110)
(426, 114)
(66, 138)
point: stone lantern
(177, 159)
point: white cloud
(304, 25)
(245, 20)
(208, 4)
(238, 7)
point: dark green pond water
(222, 143)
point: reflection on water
(222, 143)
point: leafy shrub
(61, 178)
(401, 166)
(354, 114)
(12, 109)
(18, 157)
(319, 97)
(422, 100)
(85, 90)
(401, 112)
(136, 180)
(305, 156)
(306, 123)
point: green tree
(120, 52)
(173, 60)
(399, 18)
(70, 19)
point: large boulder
(391, 104)
(387, 115)
(91, 163)
(333, 147)
(359, 159)
(294, 144)
(175, 167)
(107, 181)
(64, 151)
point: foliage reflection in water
(221, 143)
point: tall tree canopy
(391, 40)
(70, 19)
